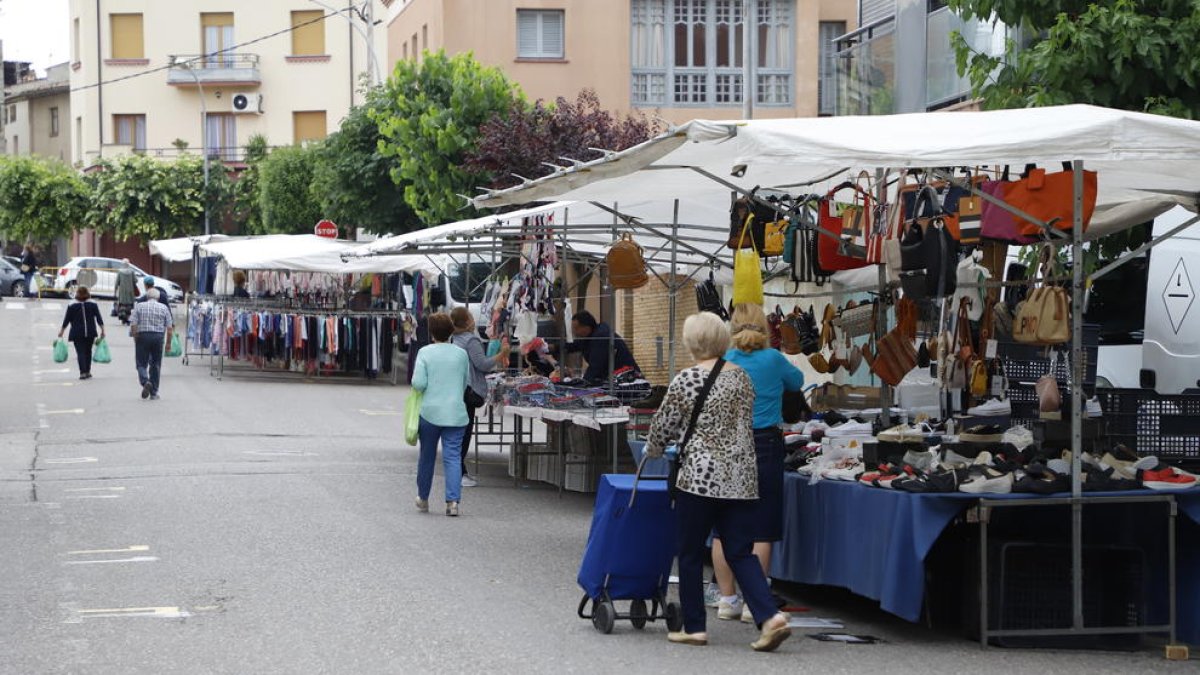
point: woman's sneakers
(774, 631)
(422, 505)
(452, 509)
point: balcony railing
(229, 69)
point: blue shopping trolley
(630, 550)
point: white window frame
(708, 86)
(540, 50)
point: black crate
(1166, 426)
(1026, 363)
(1024, 400)
(1031, 590)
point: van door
(1171, 348)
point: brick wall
(650, 313)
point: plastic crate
(1026, 363)
(1033, 591)
(1166, 426)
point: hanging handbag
(747, 273)
(747, 214)
(1049, 198)
(1044, 317)
(855, 320)
(626, 265)
(856, 217)
(708, 298)
(995, 222)
(830, 246)
(895, 356)
(774, 319)
(964, 208)
(928, 252)
(773, 238)
(697, 407)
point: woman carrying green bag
(83, 316)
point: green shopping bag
(60, 351)
(176, 346)
(100, 353)
(412, 416)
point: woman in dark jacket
(83, 316)
(29, 268)
(466, 337)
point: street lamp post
(191, 68)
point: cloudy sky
(36, 31)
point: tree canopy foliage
(1138, 55)
(430, 118)
(352, 178)
(285, 197)
(40, 199)
(138, 196)
(529, 138)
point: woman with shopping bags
(442, 375)
(83, 317)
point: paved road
(264, 526)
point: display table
(572, 471)
(874, 542)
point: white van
(1150, 323)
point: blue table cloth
(874, 542)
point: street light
(369, 18)
(190, 67)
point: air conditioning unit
(246, 103)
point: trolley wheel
(638, 613)
(604, 616)
(674, 616)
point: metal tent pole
(612, 339)
(673, 290)
(1077, 395)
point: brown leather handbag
(626, 266)
(895, 355)
(1044, 317)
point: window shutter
(527, 33)
(308, 39)
(127, 41)
(871, 11)
(552, 34)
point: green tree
(352, 178)
(40, 199)
(247, 210)
(138, 197)
(285, 191)
(430, 120)
(1130, 54)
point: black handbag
(687, 435)
(472, 399)
(708, 299)
(928, 251)
(795, 407)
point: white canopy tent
(309, 253)
(1146, 163)
(180, 249)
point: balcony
(190, 70)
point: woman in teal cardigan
(442, 374)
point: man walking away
(148, 282)
(152, 326)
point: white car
(103, 278)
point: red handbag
(830, 256)
(1048, 196)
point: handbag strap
(699, 405)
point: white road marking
(96, 489)
(279, 453)
(69, 411)
(52, 370)
(96, 551)
(135, 559)
(51, 306)
(54, 384)
(72, 460)
(93, 496)
(128, 612)
(380, 412)
(13, 305)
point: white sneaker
(747, 617)
(422, 505)
(712, 595)
(468, 481)
(1093, 408)
(849, 429)
(953, 460)
(729, 612)
(921, 461)
(991, 408)
(988, 483)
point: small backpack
(626, 266)
(708, 299)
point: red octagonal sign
(327, 229)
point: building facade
(162, 78)
(901, 60)
(34, 116)
(674, 59)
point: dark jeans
(769, 451)
(148, 353)
(83, 352)
(733, 520)
(466, 442)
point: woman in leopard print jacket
(718, 480)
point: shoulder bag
(1044, 317)
(697, 407)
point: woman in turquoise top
(442, 373)
(772, 374)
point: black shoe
(83, 376)
(147, 389)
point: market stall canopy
(587, 229)
(178, 250)
(310, 253)
(1146, 163)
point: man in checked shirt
(152, 326)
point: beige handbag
(1044, 317)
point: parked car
(15, 286)
(103, 278)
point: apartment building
(34, 113)
(676, 59)
(163, 78)
(900, 59)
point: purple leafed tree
(518, 142)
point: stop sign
(327, 229)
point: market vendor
(591, 339)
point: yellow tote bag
(747, 275)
